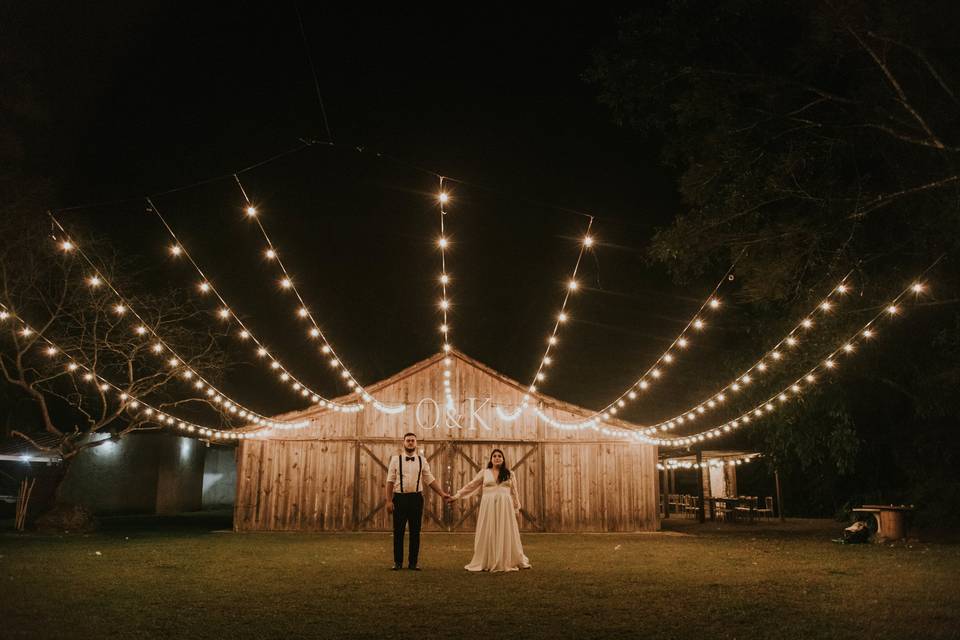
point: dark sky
(144, 99)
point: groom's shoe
(396, 567)
(414, 567)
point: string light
(547, 359)
(247, 335)
(129, 402)
(443, 244)
(288, 284)
(792, 390)
(653, 371)
(160, 345)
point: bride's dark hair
(504, 474)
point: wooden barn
(330, 475)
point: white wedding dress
(496, 545)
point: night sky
(144, 100)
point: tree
(815, 137)
(71, 349)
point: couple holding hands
(496, 545)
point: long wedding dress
(496, 545)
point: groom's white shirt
(410, 471)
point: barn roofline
(415, 368)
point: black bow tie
(409, 458)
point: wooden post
(776, 476)
(700, 508)
(665, 491)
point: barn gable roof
(434, 360)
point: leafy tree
(815, 138)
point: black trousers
(407, 508)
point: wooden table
(891, 519)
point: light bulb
(562, 317)
(892, 309)
(94, 281)
(271, 254)
(51, 350)
(261, 352)
(572, 285)
(176, 250)
(552, 340)
(918, 287)
(251, 211)
(842, 288)
(204, 287)
(224, 313)
(140, 330)
(807, 323)
(442, 242)
(867, 333)
(682, 343)
(826, 306)
(588, 241)
(302, 312)
(286, 283)
(119, 309)
(698, 324)
(444, 197)
(314, 333)
(714, 303)
(444, 279)
(66, 245)
(244, 334)
(444, 304)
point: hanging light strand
(654, 371)
(160, 346)
(571, 287)
(798, 386)
(226, 313)
(774, 355)
(303, 311)
(443, 243)
(133, 405)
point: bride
(496, 545)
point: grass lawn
(181, 578)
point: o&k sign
(474, 413)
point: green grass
(181, 579)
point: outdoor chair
(747, 507)
(722, 511)
(767, 510)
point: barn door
(466, 458)
(370, 476)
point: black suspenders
(419, 471)
(420, 460)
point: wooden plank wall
(330, 476)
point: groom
(406, 476)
